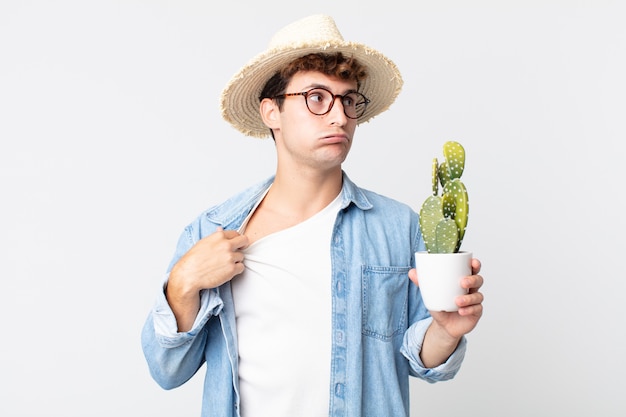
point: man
(297, 292)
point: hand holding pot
(470, 308)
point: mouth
(336, 138)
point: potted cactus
(443, 221)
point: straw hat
(318, 33)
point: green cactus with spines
(443, 218)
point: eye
(349, 100)
(316, 96)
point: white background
(111, 142)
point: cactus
(443, 218)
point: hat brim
(239, 101)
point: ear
(270, 113)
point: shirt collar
(233, 211)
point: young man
(297, 292)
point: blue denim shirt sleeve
(165, 326)
(412, 347)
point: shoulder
(390, 208)
(375, 206)
(366, 199)
(230, 213)
(383, 220)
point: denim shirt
(378, 318)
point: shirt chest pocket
(385, 292)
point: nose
(338, 113)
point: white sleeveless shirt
(283, 311)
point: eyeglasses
(320, 101)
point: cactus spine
(443, 218)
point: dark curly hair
(336, 65)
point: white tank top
(283, 310)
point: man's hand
(211, 262)
(448, 327)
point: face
(304, 139)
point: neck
(304, 193)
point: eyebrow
(325, 87)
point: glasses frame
(305, 94)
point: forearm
(184, 302)
(438, 346)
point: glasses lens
(320, 101)
(354, 105)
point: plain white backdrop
(111, 142)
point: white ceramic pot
(440, 275)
